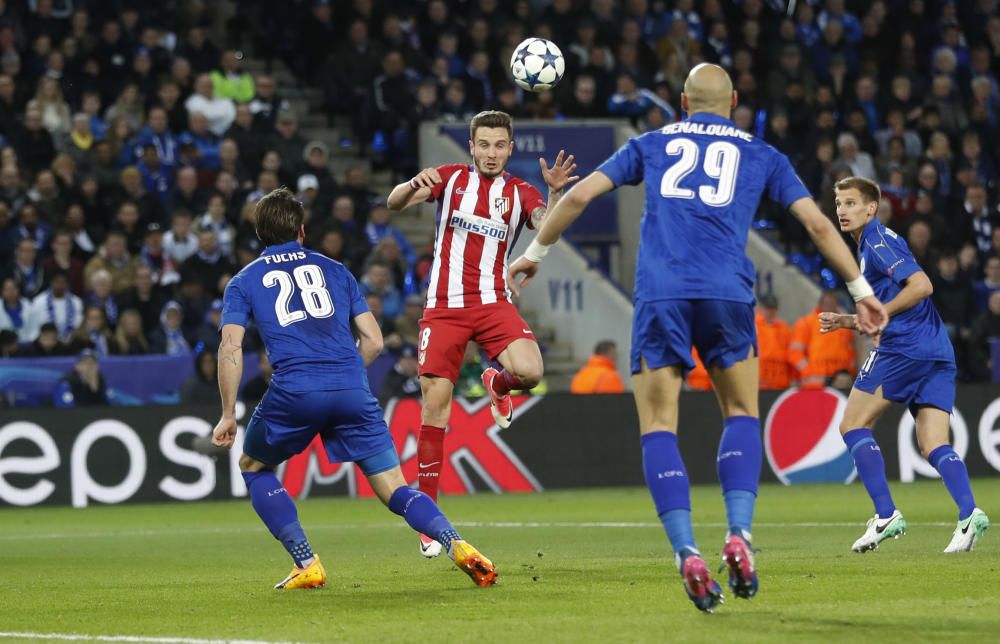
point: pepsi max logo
(802, 438)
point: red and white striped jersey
(478, 222)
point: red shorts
(444, 334)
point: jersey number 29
(309, 278)
(722, 160)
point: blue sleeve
(783, 185)
(236, 307)
(358, 303)
(624, 166)
(900, 261)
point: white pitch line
(460, 524)
(79, 637)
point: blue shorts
(349, 421)
(916, 383)
(664, 331)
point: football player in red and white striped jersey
(481, 211)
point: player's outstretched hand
(872, 317)
(830, 321)
(560, 174)
(521, 265)
(225, 432)
(426, 178)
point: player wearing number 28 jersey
(704, 180)
(305, 306)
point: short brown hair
(869, 189)
(279, 217)
(491, 118)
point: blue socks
(423, 515)
(668, 482)
(871, 468)
(277, 510)
(956, 478)
(738, 465)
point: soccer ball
(537, 65)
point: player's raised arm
(872, 316)
(369, 337)
(556, 178)
(414, 191)
(230, 375)
(565, 212)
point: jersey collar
(282, 248)
(870, 228)
(706, 117)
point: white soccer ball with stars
(537, 65)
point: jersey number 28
(722, 160)
(309, 278)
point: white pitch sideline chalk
(79, 637)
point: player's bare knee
(250, 464)
(530, 374)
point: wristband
(414, 187)
(536, 252)
(859, 288)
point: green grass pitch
(205, 570)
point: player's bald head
(708, 88)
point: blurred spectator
(93, 334)
(215, 220)
(199, 51)
(202, 388)
(198, 146)
(408, 323)
(985, 328)
(218, 112)
(631, 101)
(316, 38)
(47, 344)
(230, 82)
(25, 269)
(145, 298)
(180, 242)
(208, 265)
(584, 102)
(79, 141)
(378, 281)
(402, 380)
(148, 205)
(266, 104)
(9, 345)
(600, 374)
(153, 256)
(16, 313)
(253, 392)
(12, 190)
(773, 339)
(287, 141)
(379, 227)
(817, 356)
(34, 143)
(84, 385)
(129, 338)
(207, 334)
(114, 258)
(157, 133)
(859, 162)
(53, 108)
(169, 338)
(99, 295)
(187, 195)
(385, 323)
(248, 138)
(128, 106)
(990, 284)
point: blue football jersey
(704, 182)
(886, 262)
(303, 304)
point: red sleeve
(530, 199)
(445, 171)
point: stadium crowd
(133, 147)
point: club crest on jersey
(500, 206)
(479, 225)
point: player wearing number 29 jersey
(704, 180)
